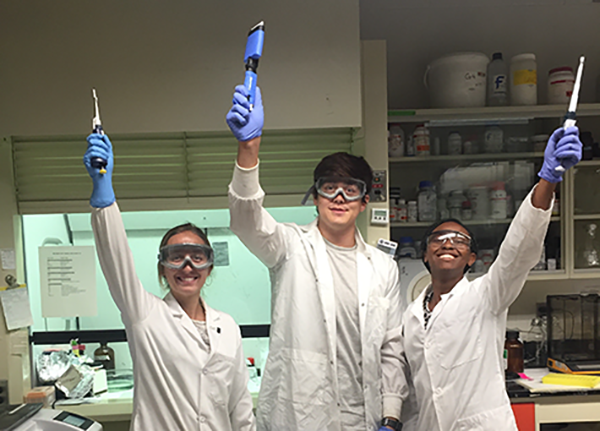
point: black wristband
(393, 423)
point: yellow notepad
(571, 380)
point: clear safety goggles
(177, 256)
(457, 239)
(351, 189)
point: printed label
(525, 77)
(499, 84)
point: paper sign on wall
(68, 281)
(17, 311)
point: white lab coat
(299, 389)
(456, 364)
(173, 390)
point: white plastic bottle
(497, 77)
(411, 211)
(396, 141)
(498, 200)
(427, 200)
(421, 140)
(523, 80)
(402, 211)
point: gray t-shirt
(349, 353)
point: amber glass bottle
(105, 355)
(514, 349)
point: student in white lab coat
(189, 367)
(335, 321)
(453, 334)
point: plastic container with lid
(45, 395)
(454, 143)
(480, 202)
(514, 352)
(523, 80)
(396, 141)
(411, 211)
(407, 248)
(493, 140)
(497, 86)
(455, 204)
(402, 211)
(427, 201)
(539, 143)
(421, 141)
(560, 85)
(498, 200)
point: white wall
(419, 31)
(164, 66)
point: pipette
(570, 116)
(254, 47)
(97, 162)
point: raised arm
(524, 240)
(255, 227)
(113, 250)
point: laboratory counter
(533, 405)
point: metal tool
(254, 47)
(571, 117)
(97, 162)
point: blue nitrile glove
(245, 124)
(100, 146)
(563, 148)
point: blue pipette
(254, 47)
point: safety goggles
(177, 256)
(458, 239)
(351, 189)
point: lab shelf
(489, 114)
(590, 163)
(466, 222)
(586, 217)
(584, 273)
(487, 157)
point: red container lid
(561, 69)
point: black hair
(186, 227)
(344, 165)
(434, 226)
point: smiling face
(337, 214)
(450, 253)
(187, 281)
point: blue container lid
(424, 184)
(406, 239)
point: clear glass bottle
(427, 201)
(497, 86)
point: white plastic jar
(560, 85)
(411, 211)
(523, 80)
(498, 201)
(396, 141)
(421, 141)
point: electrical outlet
(3, 394)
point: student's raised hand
(245, 124)
(100, 146)
(563, 148)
